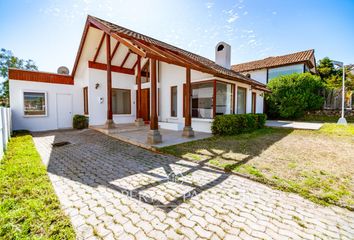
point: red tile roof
(269, 62)
(211, 66)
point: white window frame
(45, 105)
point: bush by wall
(80, 122)
(294, 94)
(237, 123)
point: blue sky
(49, 32)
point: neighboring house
(266, 69)
(121, 76)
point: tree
(8, 60)
(294, 94)
(332, 76)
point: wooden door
(145, 104)
(254, 102)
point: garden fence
(5, 128)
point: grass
(29, 208)
(315, 164)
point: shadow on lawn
(229, 152)
(95, 159)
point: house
(121, 76)
(268, 68)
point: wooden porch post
(109, 122)
(139, 120)
(154, 135)
(188, 130)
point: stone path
(294, 125)
(114, 190)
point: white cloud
(209, 5)
(233, 18)
(274, 13)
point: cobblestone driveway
(114, 190)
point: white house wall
(98, 109)
(41, 123)
(259, 75)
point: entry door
(145, 104)
(254, 102)
(64, 110)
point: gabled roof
(145, 46)
(277, 61)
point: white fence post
(5, 128)
(1, 135)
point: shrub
(237, 123)
(80, 122)
(294, 94)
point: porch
(137, 135)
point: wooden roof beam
(115, 50)
(147, 48)
(165, 53)
(130, 45)
(81, 46)
(125, 59)
(99, 47)
(103, 66)
(136, 63)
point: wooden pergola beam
(136, 62)
(125, 59)
(130, 45)
(118, 69)
(115, 50)
(147, 48)
(165, 54)
(99, 47)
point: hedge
(237, 123)
(80, 122)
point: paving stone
(186, 222)
(94, 177)
(156, 234)
(130, 228)
(145, 226)
(199, 220)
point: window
(241, 100)
(174, 101)
(35, 103)
(202, 100)
(224, 98)
(121, 101)
(85, 100)
(286, 70)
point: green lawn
(315, 164)
(29, 208)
